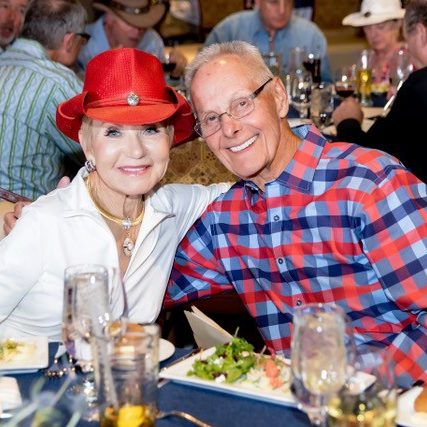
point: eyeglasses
(238, 109)
(85, 37)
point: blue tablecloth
(215, 408)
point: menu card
(207, 333)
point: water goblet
(322, 104)
(301, 93)
(321, 352)
(369, 397)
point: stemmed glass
(321, 352)
(345, 81)
(95, 306)
(301, 92)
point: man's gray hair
(246, 53)
(47, 21)
(415, 12)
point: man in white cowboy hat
(381, 21)
(128, 23)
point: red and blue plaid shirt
(342, 224)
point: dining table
(213, 407)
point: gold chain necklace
(127, 223)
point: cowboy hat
(375, 12)
(126, 86)
(139, 13)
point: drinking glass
(301, 93)
(128, 376)
(369, 398)
(401, 68)
(95, 304)
(322, 104)
(321, 353)
(273, 62)
(364, 79)
(345, 81)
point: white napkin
(207, 333)
(10, 396)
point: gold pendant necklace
(127, 223)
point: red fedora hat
(126, 86)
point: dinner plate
(166, 349)
(332, 131)
(178, 373)
(406, 415)
(32, 356)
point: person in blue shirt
(272, 27)
(128, 23)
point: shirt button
(299, 302)
(276, 217)
(280, 260)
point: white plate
(406, 415)
(166, 349)
(34, 357)
(178, 373)
(331, 130)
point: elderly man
(34, 79)
(400, 131)
(309, 221)
(128, 23)
(12, 15)
(272, 27)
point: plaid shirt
(342, 224)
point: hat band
(133, 10)
(118, 102)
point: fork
(184, 415)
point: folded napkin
(10, 396)
(207, 333)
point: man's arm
(196, 273)
(393, 232)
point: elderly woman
(381, 21)
(126, 119)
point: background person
(12, 15)
(128, 23)
(401, 130)
(381, 21)
(34, 80)
(113, 213)
(309, 221)
(272, 27)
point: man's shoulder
(244, 17)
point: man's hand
(348, 109)
(10, 218)
(179, 59)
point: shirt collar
(299, 172)
(32, 47)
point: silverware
(184, 415)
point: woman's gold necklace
(127, 223)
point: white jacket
(64, 228)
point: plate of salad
(235, 368)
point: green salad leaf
(232, 360)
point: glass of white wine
(369, 398)
(321, 352)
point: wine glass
(95, 306)
(322, 104)
(301, 93)
(369, 397)
(345, 81)
(321, 352)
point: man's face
(120, 33)
(250, 147)
(275, 14)
(12, 15)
